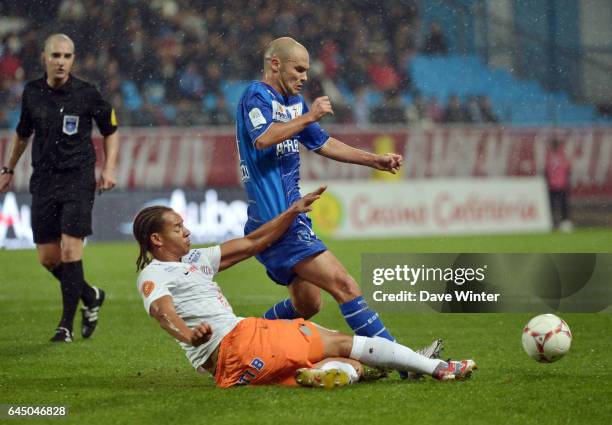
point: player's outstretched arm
(281, 131)
(17, 148)
(240, 249)
(335, 149)
(163, 310)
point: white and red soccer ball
(547, 338)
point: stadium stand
(176, 62)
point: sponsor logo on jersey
(284, 113)
(147, 287)
(71, 124)
(287, 147)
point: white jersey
(195, 296)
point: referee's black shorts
(62, 203)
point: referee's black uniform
(63, 182)
(63, 157)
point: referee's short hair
(57, 36)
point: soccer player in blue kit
(272, 120)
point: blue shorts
(297, 244)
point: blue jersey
(271, 176)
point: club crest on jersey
(147, 287)
(71, 124)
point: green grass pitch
(131, 372)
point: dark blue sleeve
(257, 114)
(313, 136)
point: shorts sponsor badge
(257, 118)
(71, 124)
(147, 288)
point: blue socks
(356, 312)
(362, 320)
(282, 310)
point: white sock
(343, 366)
(380, 352)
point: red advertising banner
(198, 158)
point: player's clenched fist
(321, 107)
(200, 334)
(390, 162)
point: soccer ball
(546, 338)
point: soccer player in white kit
(178, 290)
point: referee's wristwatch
(6, 170)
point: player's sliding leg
(379, 352)
(368, 373)
(432, 351)
(382, 353)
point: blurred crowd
(166, 62)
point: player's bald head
(283, 48)
(51, 41)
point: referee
(59, 109)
